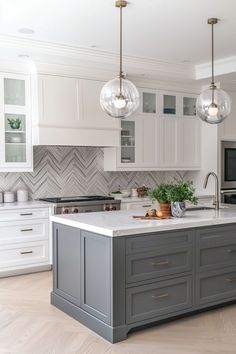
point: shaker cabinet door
(58, 104)
(15, 123)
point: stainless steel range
(83, 204)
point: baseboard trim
(36, 269)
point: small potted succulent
(162, 194)
(14, 123)
(178, 194)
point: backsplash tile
(66, 171)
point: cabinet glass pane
(169, 104)
(189, 106)
(15, 138)
(149, 102)
(14, 92)
(127, 142)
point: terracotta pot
(165, 210)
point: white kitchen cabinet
(69, 113)
(15, 123)
(149, 102)
(91, 114)
(24, 241)
(138, 203)
(168, 140)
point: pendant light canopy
(119, 97)
(213, 105)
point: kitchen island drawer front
(24, 254)
(159, 240)
(216, 257)
(212, 236)
(216, 248)
(215, 286)
(150, 265)
(148, 301)
(24, 214)
(22, 231)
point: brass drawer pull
(159, 263)
(231, 251)
(25, 214)
(161, 296)
(26, 252)
(26, 230)
(231, 280)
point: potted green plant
(162, 194)
(14, 123)
(178, 194)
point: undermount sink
(199, 208)
(204, 208)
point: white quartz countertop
(121, 223)
(25, 205)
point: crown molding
(56, 53)
(222, 66)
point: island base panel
(112, 334)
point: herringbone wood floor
(29, 324)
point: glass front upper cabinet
(189, 106)
(127, 142)
(149, 102)
(15, 124)
(169, 104)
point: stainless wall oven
(228, 165)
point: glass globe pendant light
(119, 97)
(213, 105)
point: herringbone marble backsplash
(66, 171)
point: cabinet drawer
(216, 248)
(145, 205)
(24, 214)
(148, 301)
(215, 286)
(155, 241)
(216, 257)
(24, 254)
(150, 265)
(22, 231)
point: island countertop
(122, 223)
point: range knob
(66, 211)
(107, 208)
(75, 210)
(113, 207)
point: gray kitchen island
(114, 273)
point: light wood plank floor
(30, 325)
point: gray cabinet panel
(96, 275)
(147, 243)
(148, 301)
(217, 285)
(66, 262)
(216, 248)
(150, 265)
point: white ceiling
(167, 39)
(166, 30)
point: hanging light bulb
(213, 105)
(119, 97)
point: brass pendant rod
(212, 22)
(121, 49)
(212, 55)
(212, 64)
(121, 4)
